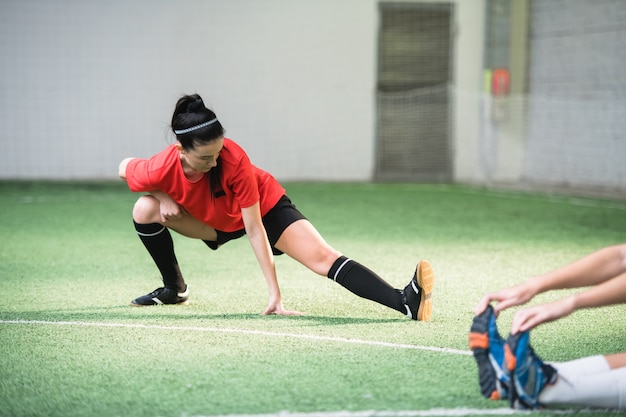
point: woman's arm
(612, 291)
(169, 209)
(122, 168)
(609, 292)
(263, 252)
(593, 269)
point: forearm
(265, 258)
(593, 269)
(161, 196)
(262, 250)
(607, 293)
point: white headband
(201, 125)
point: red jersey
(243, 184)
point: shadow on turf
(124, 314)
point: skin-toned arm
(612, 291)
(122, 168)
(596, 268)
(170, 210)
(263, 252)
(593, 269)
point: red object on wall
(500, 82)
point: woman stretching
(205, 187)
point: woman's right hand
(170, 210)
(508, 297)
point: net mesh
(413, 131)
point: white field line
(242, 331)
(433, 412)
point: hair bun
(195, 106)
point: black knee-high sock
(158, 241)
(365, 283)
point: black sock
(158, 241)
(361, 281)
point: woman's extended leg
(595, 381)
(302, 242)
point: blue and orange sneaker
(489, 350)
(529, 374)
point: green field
(70, 344)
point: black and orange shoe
(490, 351)
(418, 293)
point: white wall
(86, 83)
(578, 84)
(567, 131)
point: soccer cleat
(529, 374)
(417, 294)
(490, 351)
(162, 296)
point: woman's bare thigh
(302, 242)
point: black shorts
(275, 221)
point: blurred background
(527, 94)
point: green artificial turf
(70, 262)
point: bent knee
(146, 210)
(324, 261)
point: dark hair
(190, 111)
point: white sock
(588, 382)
